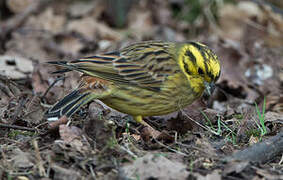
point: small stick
(48, 89)
(2, 125)
(38, 158)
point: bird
(148, 78)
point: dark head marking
(191, 56)
(196, 45)
(200, 71)
(186, 67)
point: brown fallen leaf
(82, 8)
(157, 167)
(68, 134)
(141, 21)
(98, 126)
(40, 78)
(274, 102)
(65, 173)
(215, 175)
(8, 89)
(15, 66)
(22, 159)
(70, 45)
(136, 137)
(74, 136)
(149, 132)
(231, 18)
(18, 6)
(207, 147)
(95, 29)
(49, 21)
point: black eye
(200, 71)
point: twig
(261, 152)
(280, 162)
(92, 172)
(171, 149)
(8, 87)
(48, 89)
(126, 149)
(38, 158)
(267, 3)
(13, 141)
(204, 127)
(2, 125)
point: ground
(235, 134)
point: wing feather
(145, 64)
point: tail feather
(61, 71)
(76, 106)
(68, 105)
(66, 67)
(67, 99)
(57, 62)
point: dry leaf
(233, 18)
(65, 174)
(156, 166)
(22, 159)
(18, 6)
(92, 29)
(68, 134)
(15, 67)
(140, 22)
(81, 8)
(48, 21)
(215, 175)
(71, 45)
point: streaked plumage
(143, 79)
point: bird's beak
(209, 88)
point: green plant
(238, 116)
(261, 124)
(14, 133)
(215, 131)
(221, 127)
(191, 165)
(231, 136)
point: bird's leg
(153, 132)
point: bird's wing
(145, 65)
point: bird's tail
(68, 105)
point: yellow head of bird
(200, 65)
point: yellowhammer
(144, 79)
